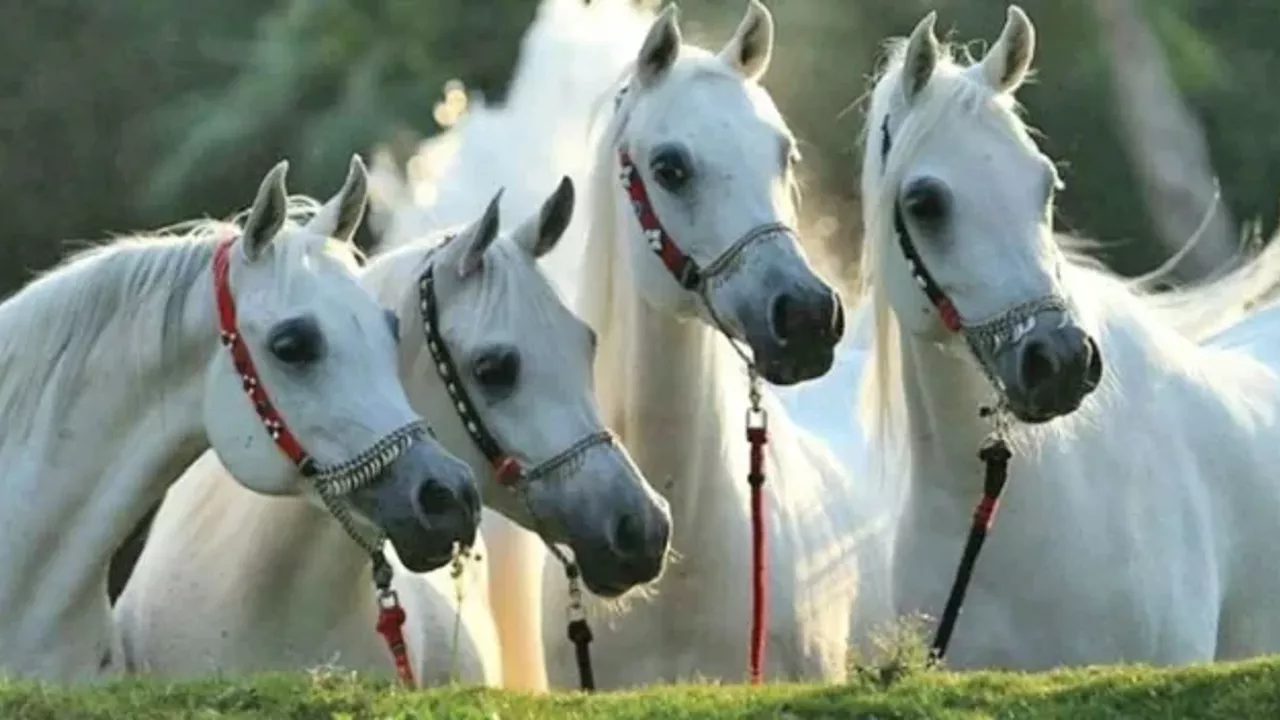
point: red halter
(243, 362)
(692, 278)
(390, 614)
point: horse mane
(1107, 302)
(121, 303)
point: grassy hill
(1238, 691)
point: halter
(994, 453)
(697, 280)
(985, 335)
(507, 469)
(332, 483)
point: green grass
(1239, 691)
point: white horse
(708, 157)
(113, 378)
(570, 55)
(231, 582)
(1138, 525)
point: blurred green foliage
(123, 115)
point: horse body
(666, 385)
(296, 594)
(1129, 531)
(671, 394)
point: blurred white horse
(571, 54)
(113, 378)
(230, 582)
(715, 161)
(1138, 525)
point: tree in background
(125, 115)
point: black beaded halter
(508, 469)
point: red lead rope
(391, 627)
(391, 619)
(757, 436)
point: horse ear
(1006, 64)
(661, 47)
(921, 57)
(540, 234)
(476, 238)
(268, 213)
(340, 217)
(751, 47)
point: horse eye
(926, 201)
(393, 322)
(296, 342)
(497, 370)
(671, 169)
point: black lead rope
(995, 455)
(508, 472)
(580, 634)
(994, 452)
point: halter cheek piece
(682, 267)
(507, 467)
(331, 483)
(987, 335)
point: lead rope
(696, 279)
(995, 455)
(391, 617)
(757, 436)
(579, 631)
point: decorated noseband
(507, 468)
(334, 482)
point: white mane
(1174, 320)
(136, 287)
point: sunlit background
(116, 116)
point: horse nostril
(435, 499)
(628, 536)
(779, 313)
(1037, 365)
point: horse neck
(943, 431)
(86, 474)
(283, 549)
(659, 383)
